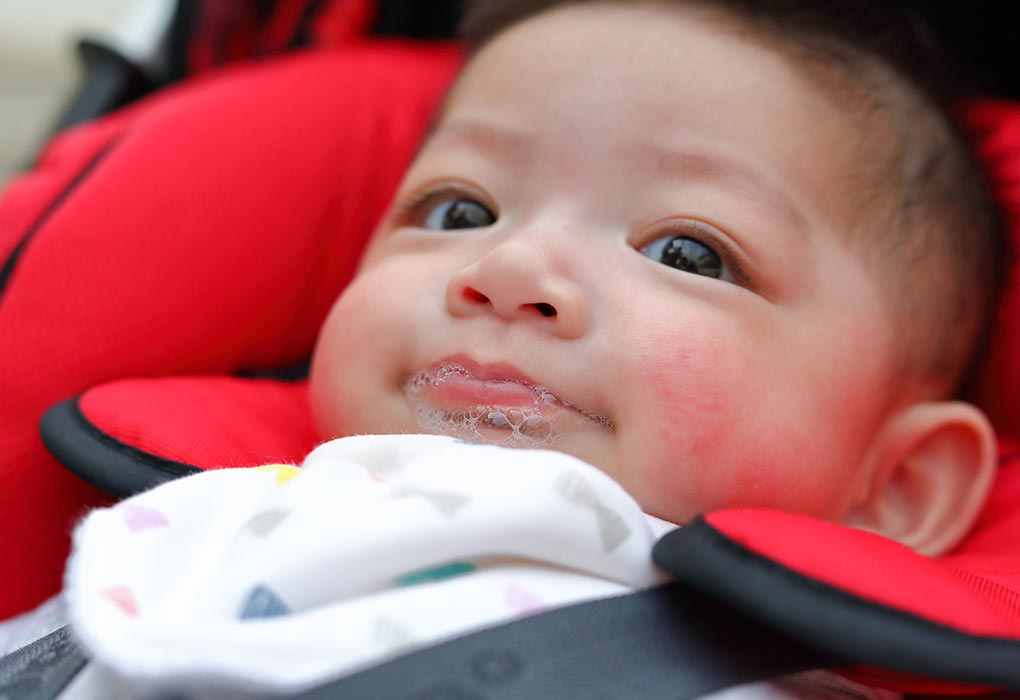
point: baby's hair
(932, 230)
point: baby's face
(624, 240)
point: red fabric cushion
(210, 422)
(205, 230)
(975, 593)
(975, 589)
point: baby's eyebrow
(512, 143)
(503, 140)
(716, 167)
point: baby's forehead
(743, 125)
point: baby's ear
(927, 475)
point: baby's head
(721, 253)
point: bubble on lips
(523, 426)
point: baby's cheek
(689, 406)
(692, 381)
(322, 394)
(327, 381)
(338, 362)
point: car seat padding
(131, 435)
(211, 238)
(901, 645)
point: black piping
(832, 619)
(12, 260)
(102, 460)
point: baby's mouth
(482, 405)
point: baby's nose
(516, 282)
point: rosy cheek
(753, 483)
(688, 392)
(688, 403)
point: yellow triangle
(284, 472)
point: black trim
(831, 619)
(182, 28)
(302, 32)
(293, 372)
(109, 81)
(417, 19)
(12, 260)
(118, 468)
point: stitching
(162, 464)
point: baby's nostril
(472, 294)
(546, 310)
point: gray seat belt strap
(664, 643)
(42, 669)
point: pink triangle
(123, 598)
(521, 600)
(139, 518)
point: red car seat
(205, 230)
(159, 258)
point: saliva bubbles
(518, 426)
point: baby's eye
(458, 213)
(688, 255)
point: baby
(727, 252)
(721, 250)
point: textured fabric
(892, 647)
(978, 594)
(205, 230)
(210, 421)
(974, 589)
(814, 685)
(278, 578)
(41, 670)
(24, 629)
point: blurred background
(39, 67)
(43, 77)
(136, 46)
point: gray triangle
(574, 490)
(613, 530)
(265, 522)
(446, 503)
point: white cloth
(276, 579)
(243, 583)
